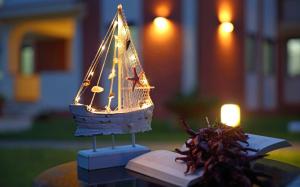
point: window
(268, 57)
(27, 60)
(250, 54)
(51, 54)
(293, 57)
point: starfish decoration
(135, 79)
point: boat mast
(120, 51)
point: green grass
(20, 166)
(63, 129)
(59, 128)
(287, 155)
(275, 126)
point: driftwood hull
(89, 124)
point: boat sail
(128, 107)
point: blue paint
(109, 157)
(105, 151)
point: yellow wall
(48, 27)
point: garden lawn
(20, 166)
(287, 155)
(62, 128)
(274, 126)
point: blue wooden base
(109, 157)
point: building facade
(46, 46)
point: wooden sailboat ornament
(127, 107)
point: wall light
(226, 27)
(230, 114)
(161, 23)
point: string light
(132, 57)
(144, 81)
(124, 31)
(112, 74)
(77, 99)
(122, 41)
(111, 95)
(115, 60)
(119, 45)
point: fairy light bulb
(77, 99)
(119, 44)
(115, 60)
(145, 81)
(132, 57)
(91, 73)
(124, 31)
(103, 47)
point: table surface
(68, 174)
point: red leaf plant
(224, 159)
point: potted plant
(2, 101)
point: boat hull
(89, 124)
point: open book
(161, 164)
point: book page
(161, 165)
(265, 144)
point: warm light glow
(161, 23)
(119, 45)
(115, 60)
(225, 12)
(163, 10)
(77, 99)
(112, 74)
(124, 32)
(230, 115)
(132, 57)
(226, 27)
(103, 47)
(144, 81)
(224, 16)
